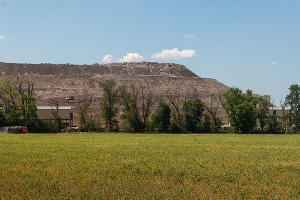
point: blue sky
(251, 44)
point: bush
(174, 128)
(93, 126)
(48, 127)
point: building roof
(54, 107)
(278, 108)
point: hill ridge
(53, 82)
(128, 69)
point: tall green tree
(10, 102)
(108, 104)
(293, 101)
(56, 124)
(285, 117)
(272, 124)
(83, 114)
(28, 107)
(193, 113)
(18, 103)
(241, 109)
(263, 110)
(160, 120)
(212, 114)
(2, 118)
(176, 102)
(129, 98)
(147, 101)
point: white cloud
(189, 36)
(174, 54)
(131, 57)
(274, 63)
(107, 58)
(2, 37)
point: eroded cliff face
(55, 82)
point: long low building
(64, 112)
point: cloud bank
(189, 36)
(174, 54)
(107, 58)
(164, 54)
(2, 37)
(131, 57)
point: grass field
(129, 166)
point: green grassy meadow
(141, 166)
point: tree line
(132, 108)
(18, 106)
(190, 115)
(244, 110)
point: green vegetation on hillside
(134, 105)
(133, 166)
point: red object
(24, 129)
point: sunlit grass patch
(125, 166)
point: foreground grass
(149, 166)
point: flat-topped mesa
(55, 81)
(58, 81)
(119, 69)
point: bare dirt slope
(58, 81)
